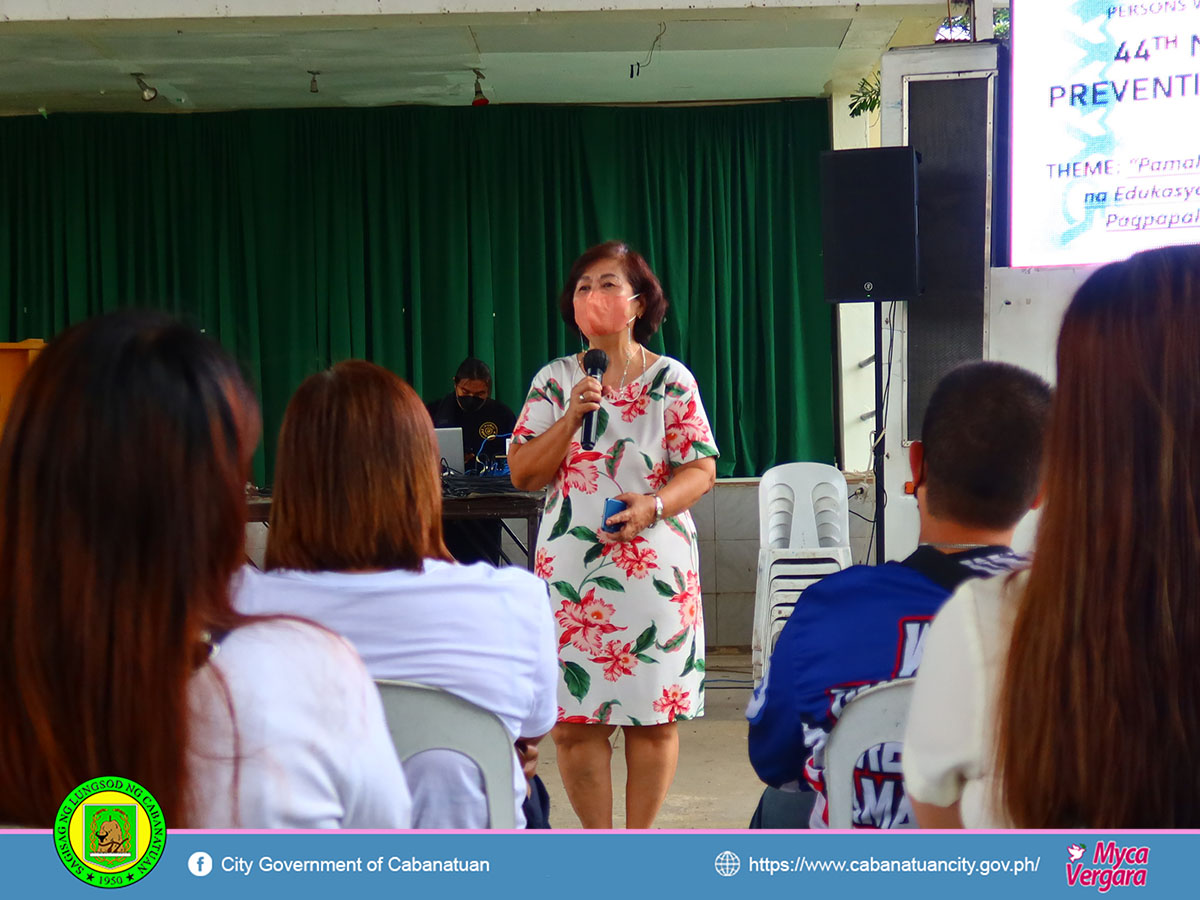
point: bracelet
(658, 509)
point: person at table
(355, 544)
(122, 522)
(483, 421)
(630, 625)
(471, 407)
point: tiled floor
(714, 785)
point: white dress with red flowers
(630, 621)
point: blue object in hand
(612, 506)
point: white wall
(856, 340)
(1025, 310)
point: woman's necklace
(625, 372)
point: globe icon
(727, 863)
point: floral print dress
(629, 616)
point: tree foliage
(865, 97)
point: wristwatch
(658, 509)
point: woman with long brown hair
(1069, 696)
(122, 516)
(355, 543)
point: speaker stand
(878, 450)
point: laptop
(450, 447)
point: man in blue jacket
(976, 472)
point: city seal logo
(110, 832)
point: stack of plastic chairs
(804, 535)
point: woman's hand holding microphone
(534, 463)
(585, 398)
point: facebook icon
(200, 864)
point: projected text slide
(1106, 129)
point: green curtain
(415, 236)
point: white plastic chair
(803, 505)
(876, 716)
(788, 572)
(792, 570)
(780, 613)
(422, 718)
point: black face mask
(469, 404)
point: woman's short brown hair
(357, 484)
(637, 272)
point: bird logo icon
(1075, 851)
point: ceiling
(586, 57)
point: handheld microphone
(595, 363)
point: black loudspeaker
(869, 224)
(963, 141)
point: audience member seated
(1069, 696)
(975, 473)
(355, 543)
(122, 515)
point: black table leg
(533, 522)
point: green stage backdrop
(415, 236)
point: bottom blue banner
(584, 865)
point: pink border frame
(672, 831)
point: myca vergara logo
(110, 832)
(1110, 866)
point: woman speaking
(626, 589)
